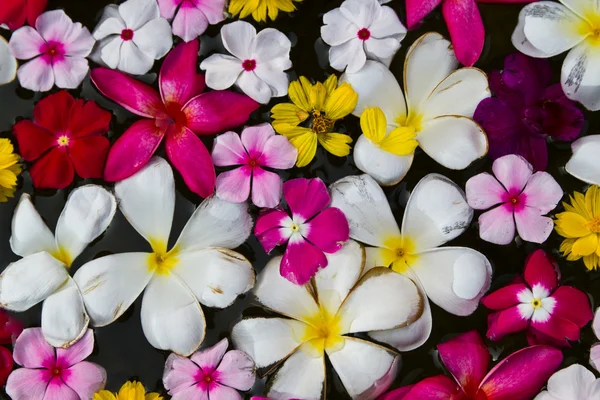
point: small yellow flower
(260, 8)
(321, 104)
(9, 170)
(129, 391)
(580, 226)
(400, 141)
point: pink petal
(195, 392)
(53, 25)
(131, 94)
(190, 22)
(306, 197)
(329, 230)
(397, 394)
(57, 389)
(77, 352)
(503, 298)
(209, 359)
(541, 269)
(180, 374)
(542, 192)
(32, 351)
(255, 138)
(484, 191)
(191, 158)
(572, 304)
(78, 42)
(234, 186)
(28, 384)
(595, 356)
(36, 75)
(221, 392)
(213, 9)
(416, 10)
(558, 328)
(533, 227)
(513, 172)
(25, 43)
(228, 150)
(70, 72)
(438, 387)
(168, 7)
(266, 188)
(268, 229)
(218, 111)
(521, 375)
(301, 261)
(278, 153)
(132, 150)
(505, 322)
(85, 379)
(237, 370)
(497, 225)
(178, 80)
(466, 29)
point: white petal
(381, 49)
(110, 284)
(349, 55)
(110, 24)
(171, 316)
(519, 40)
(258, 90)
(337, 29)
(362, 13)
(579, 76)
(87, 213)
(300, 377)
(222, 71)
(272, 44)
(133, 60)
(215, 276)
(387, 25)
(582, 7)
(136, 13)
(584, 164)
(277, 80)
(147, 199)
(154, 38)
(30, 280)
(8, 63)
(30, 234)
(239, 39)
(573, 382)
(36, 75)
(386, 168)
(366, 208)
(109, 51)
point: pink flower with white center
(313, 229)
(521, 198)
(193, 16)
(213, 373)
(259, 147)
(54, 373)
(57, 48)
(550, 314)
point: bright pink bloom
(519, 376)
(258, 147)
(65, 137)
(10, 328)
(313, 229)
(57, 48)
(15, 13)
(595, 350)
(193, 16)
(6, 364)
(179, 113)
(213, 373)
(54, 373)
(522, 198)
(551, 314)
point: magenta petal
(255, 139)
(191, 158)
(572, 304)
(57, 389)
(32, 351)
(209, 359)
(85, 378)
(416, 10)
(329, 230)
(306, 197)
(301, 261)
(237, 370)
(29, 384)
(541, 269)
(396, 394)
(77, 352)
(438, 387)
(266, 188)
(466, 29)
(268, 229)
(526, 75)
(503, 298)
(178, 80)
(234, 186)
(505, 322)
(558, 328)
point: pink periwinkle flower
(193, 16)
(595, 350)
(57, 48)
(312, 230)
(213, 373)
(520, 198)
(54, 373)
(551, 314)
(258, 147)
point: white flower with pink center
(56, 48)
(361, 30)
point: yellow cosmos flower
(9, 170)
(321, 104)
(399, 141)
(260, 8)
(580, 226)
(129, 391)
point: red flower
(14, 13)
(6, 364)
(10, 328)
(65, 137)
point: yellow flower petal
(586, 245)
(335, 143)
(331, 84)
(401, 141)
(592, 201)
(578, 202)
(305, 140)
(289, 114)
(153, 396)
(341, 102)
(571, 225)
(318, 95)
(260, 13)
(591, 262)
(299, 95)
(373, 124)
(104, 395)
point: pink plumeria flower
(595, 350)
(258, 147)
(193, 16)
(521, 196)
(213, 373)
(551, 314)
(313, 229)
(57, 48)
(54, 373)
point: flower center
(536, 303)
(56, 371)
(249, 65)
(51, 50)
(320, 123)
(63, 141)
(412, 120)
(160, 260)
(322, 332)
(295, 227)
(206, 378)
(594, 225)
(63, 255)
(176, 114)
(364, 34)
(399, 252)
(126, 34)
(589, 27)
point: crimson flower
(10, 328)
(15, 13)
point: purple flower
(526, 111)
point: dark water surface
(122, 349)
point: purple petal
(466, 29)
(526, 75)
(266, 188)
(255, 138)
(209, 359)
(278, 153)
(85, 379)
(505, 322)
(32, 351)
(329, 230)
(237, 370)
(234, 186)
(561, 118)
(541, 269)
(28, 384)
(484, 191)
(77, 352)
(178, 80)
(497, 225)
(306, 197)
(228, 150)
(301, 261)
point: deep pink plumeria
(313, 229)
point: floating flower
(573, 382)
(313, 229)
(178, 114)
(339, 301)
(56, 48)
(8, 63)
(65, 137)
(258, 148)
(6, 364)
(16, 13)
(359, 30)
(132, 35)
(580, 226)
(10, 169)
(595, 350)
(551, 314)
(454, 278)
(440, 102)
(43, 272)
(129, 391)
(584, 164)
(526, 111)
(211, 373)
(257, 63)
(520, 198)
(198, 268)
(324, 103)
(547, 29)
(261, 8)
(193, 16)
(517, 377)
(54, 373)
(10, 328)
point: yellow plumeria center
(323, 332)
(63, 255)
(162, 261)
(412, 120)
(590, 27)
(399, 252)
(594, 225)
(320, 123)
(536, 303)
(63, 141)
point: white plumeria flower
(584, 164)
(547, 29)
(361, 30)
(43, 272)
(132, 35)
(341, 300)
(537, 304)
(454, 278)
(257, 63)
(439, 106)
(8, 63)
(199, 268)
(572, 383)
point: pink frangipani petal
(438, 387)
(466, 29)
(178, 80)
(484, 191)
(542, 192)
(85, 378)
(222, 392)
(57, 389)
(416, 10)
(190, 22)
(25, 43)
(513, 172)
(228, 150)
(78, 352)
(533, 227)
(255, 138)
(278, 153)
(210, 358)
(180, 374)
(497, 225)
(28, 384)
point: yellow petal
(591, 262)
(288, 113)
(592, 201)
(132, 391)
(305, 140)
(335, 143)
(578, 202)
(331, 84)
(104, 395)
(341, 102)
(586, 245)
(571, 225)
(153, 396)
(318, 95)
(298, 95)
(566, 247)
(401, 141)
(373, 124)
(235, 6)
(260, 13)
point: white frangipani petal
(386, 168)
(579, 79)
(573, 382)
(584, 164)
(8, 63)
(301, 376)
(29, 233)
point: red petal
(89, 155)
(52, 112)
(33, 140)
(416, 10)
(87, 118)
(10, 328)
(6, 364)
(572, 304)
(13, 13)
(541, 269)
(53, 171)
(34, 9)
(505, 322)
(178, 71)
(504, 298)
(466, 29)
(558, 328)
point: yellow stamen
(594, 225)
(162, 261)
(399, 252)
(295, 227)
(63, 255)
(320, 123)
(323, 332)
(412, 120)
(63, 141)
(590, 27)
(536, 303)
